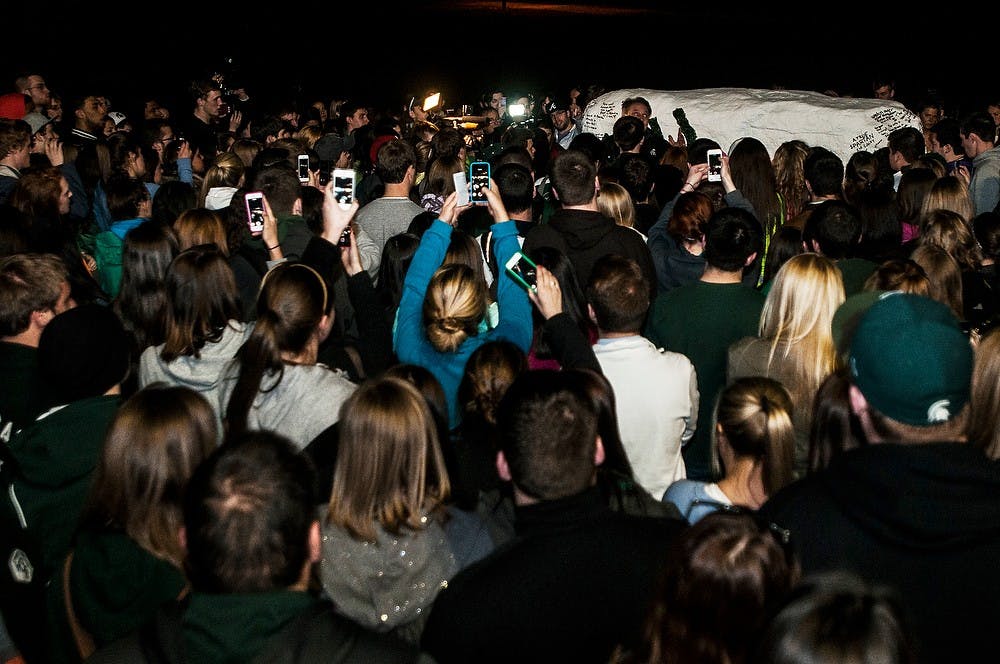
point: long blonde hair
(798, 313)
(948, 193)
(984, 418)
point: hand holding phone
(255, 212)
(303, 168)
(715, 165)
(479, 178)
(523, 270)
(344, 180)
(461, 188)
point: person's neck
(523, 215)
(397, 190)
(590, 206)
(825, 197)
(744, 483)
(203, 116)
(714, 275)
(604, 334)
(30, 337)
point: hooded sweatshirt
(203, 374)
(304, 402)
(923, 519)
(585, 236)
(116, 586)
(108, 248)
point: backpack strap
(81, 638)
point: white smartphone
(303, 168)
(523, 270)
(479, 179)
(343, 186)
(714, 165)
(461, 188)
(255, 212)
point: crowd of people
(746, 420)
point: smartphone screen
(255, 212)
(303, 168)
(479, 179)
(343, 186)
(522, 269)
(714, 165)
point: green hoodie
(116, 587)
(56, 456)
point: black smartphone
(479, 179)
(523, 270)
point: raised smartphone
(523, 270)
(714, 165)
(303, 168)
(479, 179)
(461, 188)
(343, 186)
(255, 212)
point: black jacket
(585, 236)
(574, 582)
(924, 519)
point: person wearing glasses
(34, 85)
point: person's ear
(859, 404)
(503, 470)
(750, 259)
(591, 314)
(598, 452)
(315, 543)
(182, 537)
(297, 207)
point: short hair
(824, 171)
(280, 183)
(548, 434)
(574, 176)
(454, 305)
(28, 283)
(981, 124)
(627, 132)
(14, 135)
(629, 101)
(986, 227)
(835, 226)
(154, 443)
(248, 512)
(636, 175)
(908, 141)
(837, 617)
(515, 185)
(947, 132)
(731, 237)
(395, 157)
(390, 469)
(619, 293)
